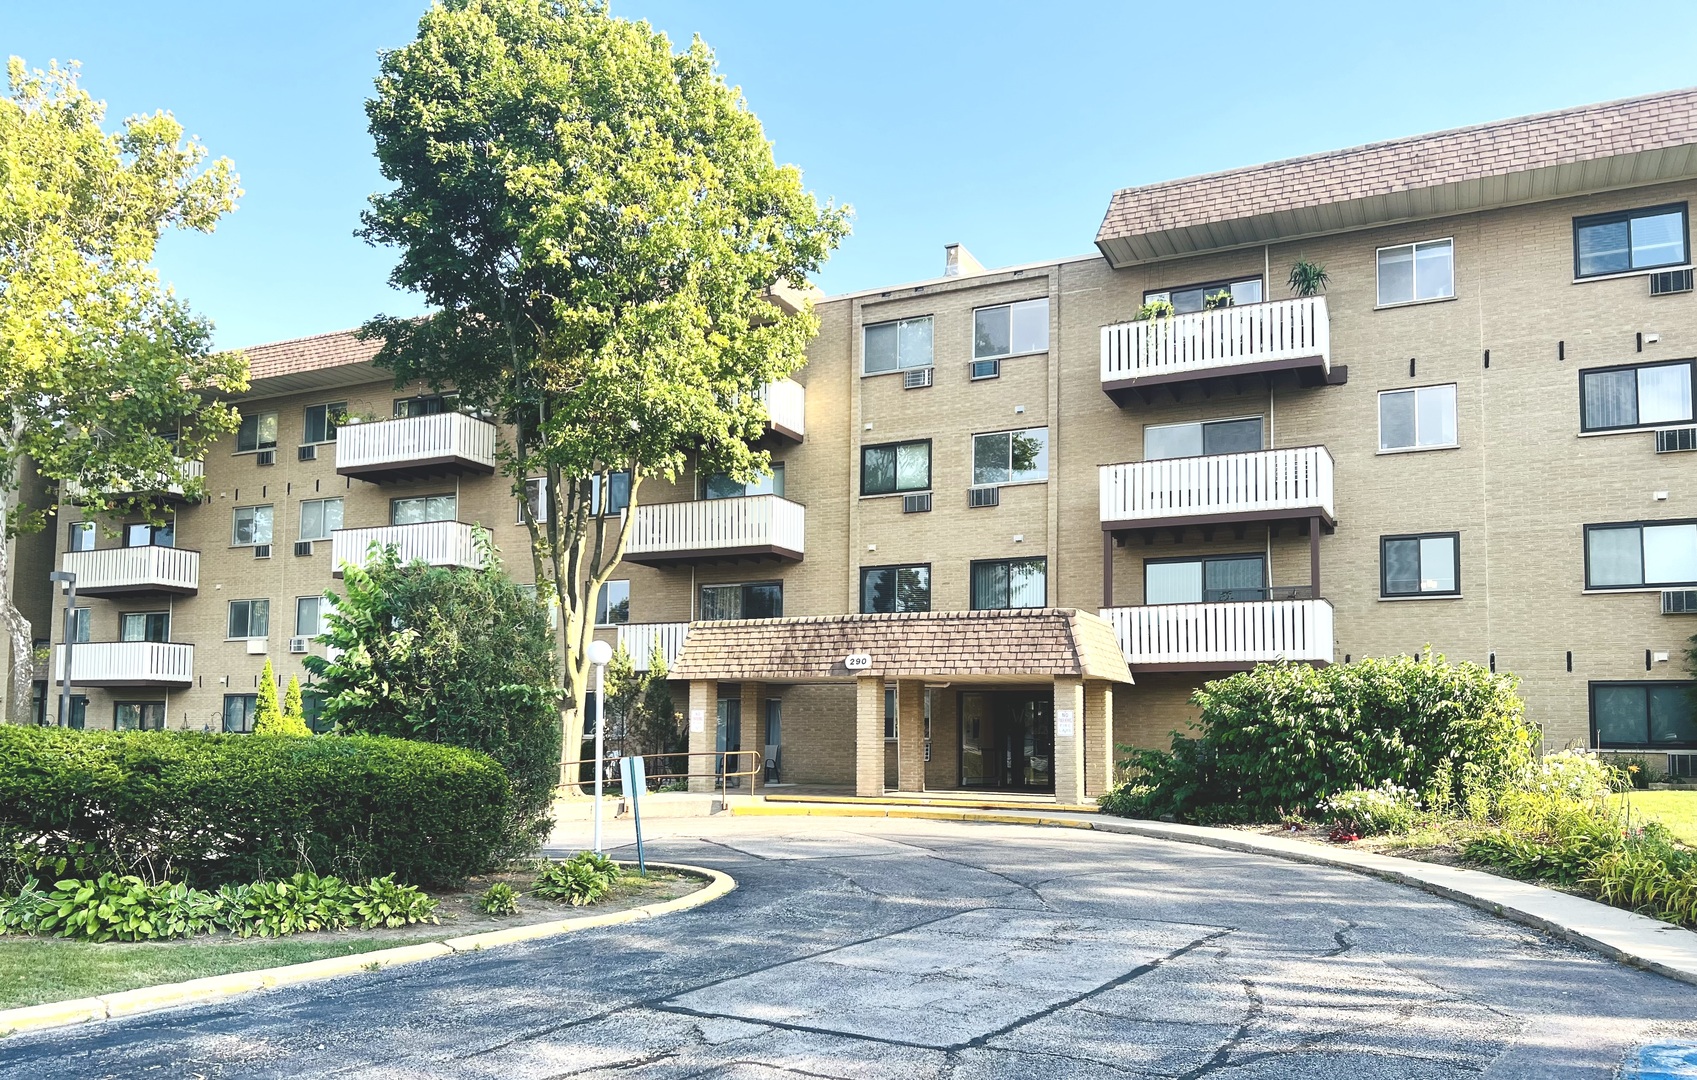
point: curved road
(875, 948)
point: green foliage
(208, 809)
(1370, 811)
(499, 900)
(294, 712)
(1221, 299)
(582, 879)
(1284, 737)
(450, 655)
(639, 703)
(1154, 309)
(1308, 278)
(1648, 876)
(267, 714)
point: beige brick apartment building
(1010, 527)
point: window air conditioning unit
(917, 379)
(303, 547)
(984, 496)
(917, 504)
(262, 551)
(986, 369)
(1672, 440)
(1679, 601)
(266, 457)
(256, 646)
(309, 452)
(298, 644)
(1670, 281)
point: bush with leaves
(450, 655)
(1370, 811)
(499, 899)
(582, 879)
(639, 705)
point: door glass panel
(1234, 579)
(1172, 583)
(1232, 436)
(974, 718)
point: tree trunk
(17, 627)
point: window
(618, 488)
(312, 710)
(1010, 457)
(144, 626)
(723, 487)
(422, 508)
(426, 405)
(896, 346)
(322, 420)
(1638, 395)
(1419, 419)
(612, 607)
(258, 431)
(536, 498)
(895, 588)
(320, 518)
(1422, 565)
(889, 713)
(142, 534)
(38, 701)
(1195, 297)
(1411, 272)
(82, 536)
(82, 625)
(1010, 583)
(895, 467)
(1216, 580)
(250, 525)
(761, 601)
(1010, 330)
(238, 713)
(309, 615)
(1629, 240)
(249, 619)
(1643, 715)
(1648, 555)
(138, 716)
(1162, 441)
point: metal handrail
(722, 774)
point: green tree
(293, 718)
(107, 379)
(598, 222)
(267, 717)
(639, 704)
(449, 655)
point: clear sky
(1003, 126)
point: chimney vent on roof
(957, 261)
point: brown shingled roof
(1385, 169)
(1035, 642)
(314, 353)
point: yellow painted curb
(216, 987)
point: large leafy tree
(597, 222)
(107, 379)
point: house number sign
(858, 661)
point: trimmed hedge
(216, 809)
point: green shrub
(582, 879)
(1371, 811)
(1649, 876)
(210, 809)
(499, 899)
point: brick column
(702, 724)
(910, 735)
(753, 730)
(1069, 739)
(869, 735)
(1099, 754)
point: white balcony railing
(416, 440)
(157, 483)
(786, 406)
(127, 663)
(1297, 479)
(1232, 634)
(751, 524)
(439, 543)
(134, 569)
(639, 639)
(1204, 341)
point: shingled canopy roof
(966, 646)
(1616, 144)
(338, 358)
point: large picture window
(1010, 457)
(1412, 272)
(724, 487)
(1419, 419)
(895, 588)
(422, 509)
(138, 716)
(1184, 298)
(897, 346)
(1215, 580)
(1629, 240)
(144, 626)
(1010, 330)
(1424, 564)
(1643, 716)
(1635, 395)
(1162, 441)
(893, 467)
(764, 600)
(1010, 583)
(1641, 555)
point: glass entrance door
(1007, 740)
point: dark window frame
(1386, 594)
(972, 582)
(1266, 568)
(248, 709)
(1691, 366)
(393, 501)
(1010, 305)
(898, 567)
(777, 583)
(447, 402)
(1211, 288)
(1689, 685)
(141, 724)
(604, 607)
(335, 415)
(1585, 553)
(898, 489)
(229, 613)
(145, 613)
(1627, 215)
(258, 418)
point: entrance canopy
(1018, 646)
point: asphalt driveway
(877, 948)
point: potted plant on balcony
(1308, 278)
(1154, 309)
(1221, 299)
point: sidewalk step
(934, 803)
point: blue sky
(1003, 126)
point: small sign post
(634, 779)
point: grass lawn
(1675, 809)
(37, 970)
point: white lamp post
(599, 653)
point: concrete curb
(1626, 936)
(217, 987)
